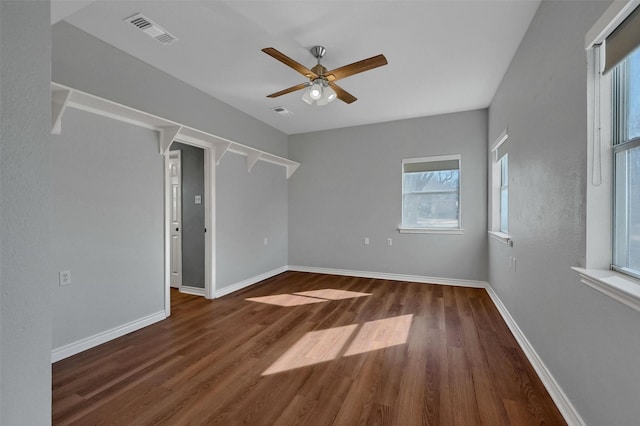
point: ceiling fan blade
(342, 94)
(276, 54)
(356, 67)
(289, 90)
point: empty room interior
(342, 212)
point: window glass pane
(504, 194)
(633, 86)
(430, 199)
(504, 210)
(627, 210)
(504, 170)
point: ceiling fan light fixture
(329, 94)
(315, 91)
(305, 97)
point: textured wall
(86, 63)
(589, 341)
(349, 187)
(108, 225)
(249, 206)
(25, 204)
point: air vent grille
(282, 110)
(150, 28)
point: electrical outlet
(266, 241)
(64, 277)
(366, 241)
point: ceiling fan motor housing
(318, 52)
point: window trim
(434, 158)
(495, 182)
(599, 203)
(504, 186)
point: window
(612, 264)
(499, 185)
(626, 164)
(504, 194)
(431, 193)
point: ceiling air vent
(150, 28)
(282, 111)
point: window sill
(453, 231)
(502, 237)
(623, 288)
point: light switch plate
(198, 199)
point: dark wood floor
(406, 354)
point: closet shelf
(63, 97)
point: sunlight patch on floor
(286, 300)
(332, 294)
(374, 335)
(313, 348)
(326, 345)
(307, 297)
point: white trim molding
(97, 339)
(451, 231)
(502, 237)
(568, 411)
(622, 288)
(249, 281)
(389, 276)
(169, 130)
(194, 291)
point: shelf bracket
(59, 102)
(167, 135)
(252, 159)
(291, 168)
(220, 150)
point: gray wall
(349, 187)
(192, 167)
(589, 341)
(85, 63)
(108, 225)
(25, 204)
(249, 206)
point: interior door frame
(209, 221)
(177, 154)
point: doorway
(188, 219)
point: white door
(175, 194)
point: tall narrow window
(626, 163)
(431, 192)
(499, 185)
(504, 194)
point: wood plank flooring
(392, 353)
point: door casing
(209, 220)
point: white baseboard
(103, 337)
(388, 276)
(569, 412)
(196, 291)
(249, 281)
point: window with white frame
(500, 189)
(625, 125)
(504, 193)
(431, 193)
(613, 175)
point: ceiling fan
(321, 87)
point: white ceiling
(444, 56)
